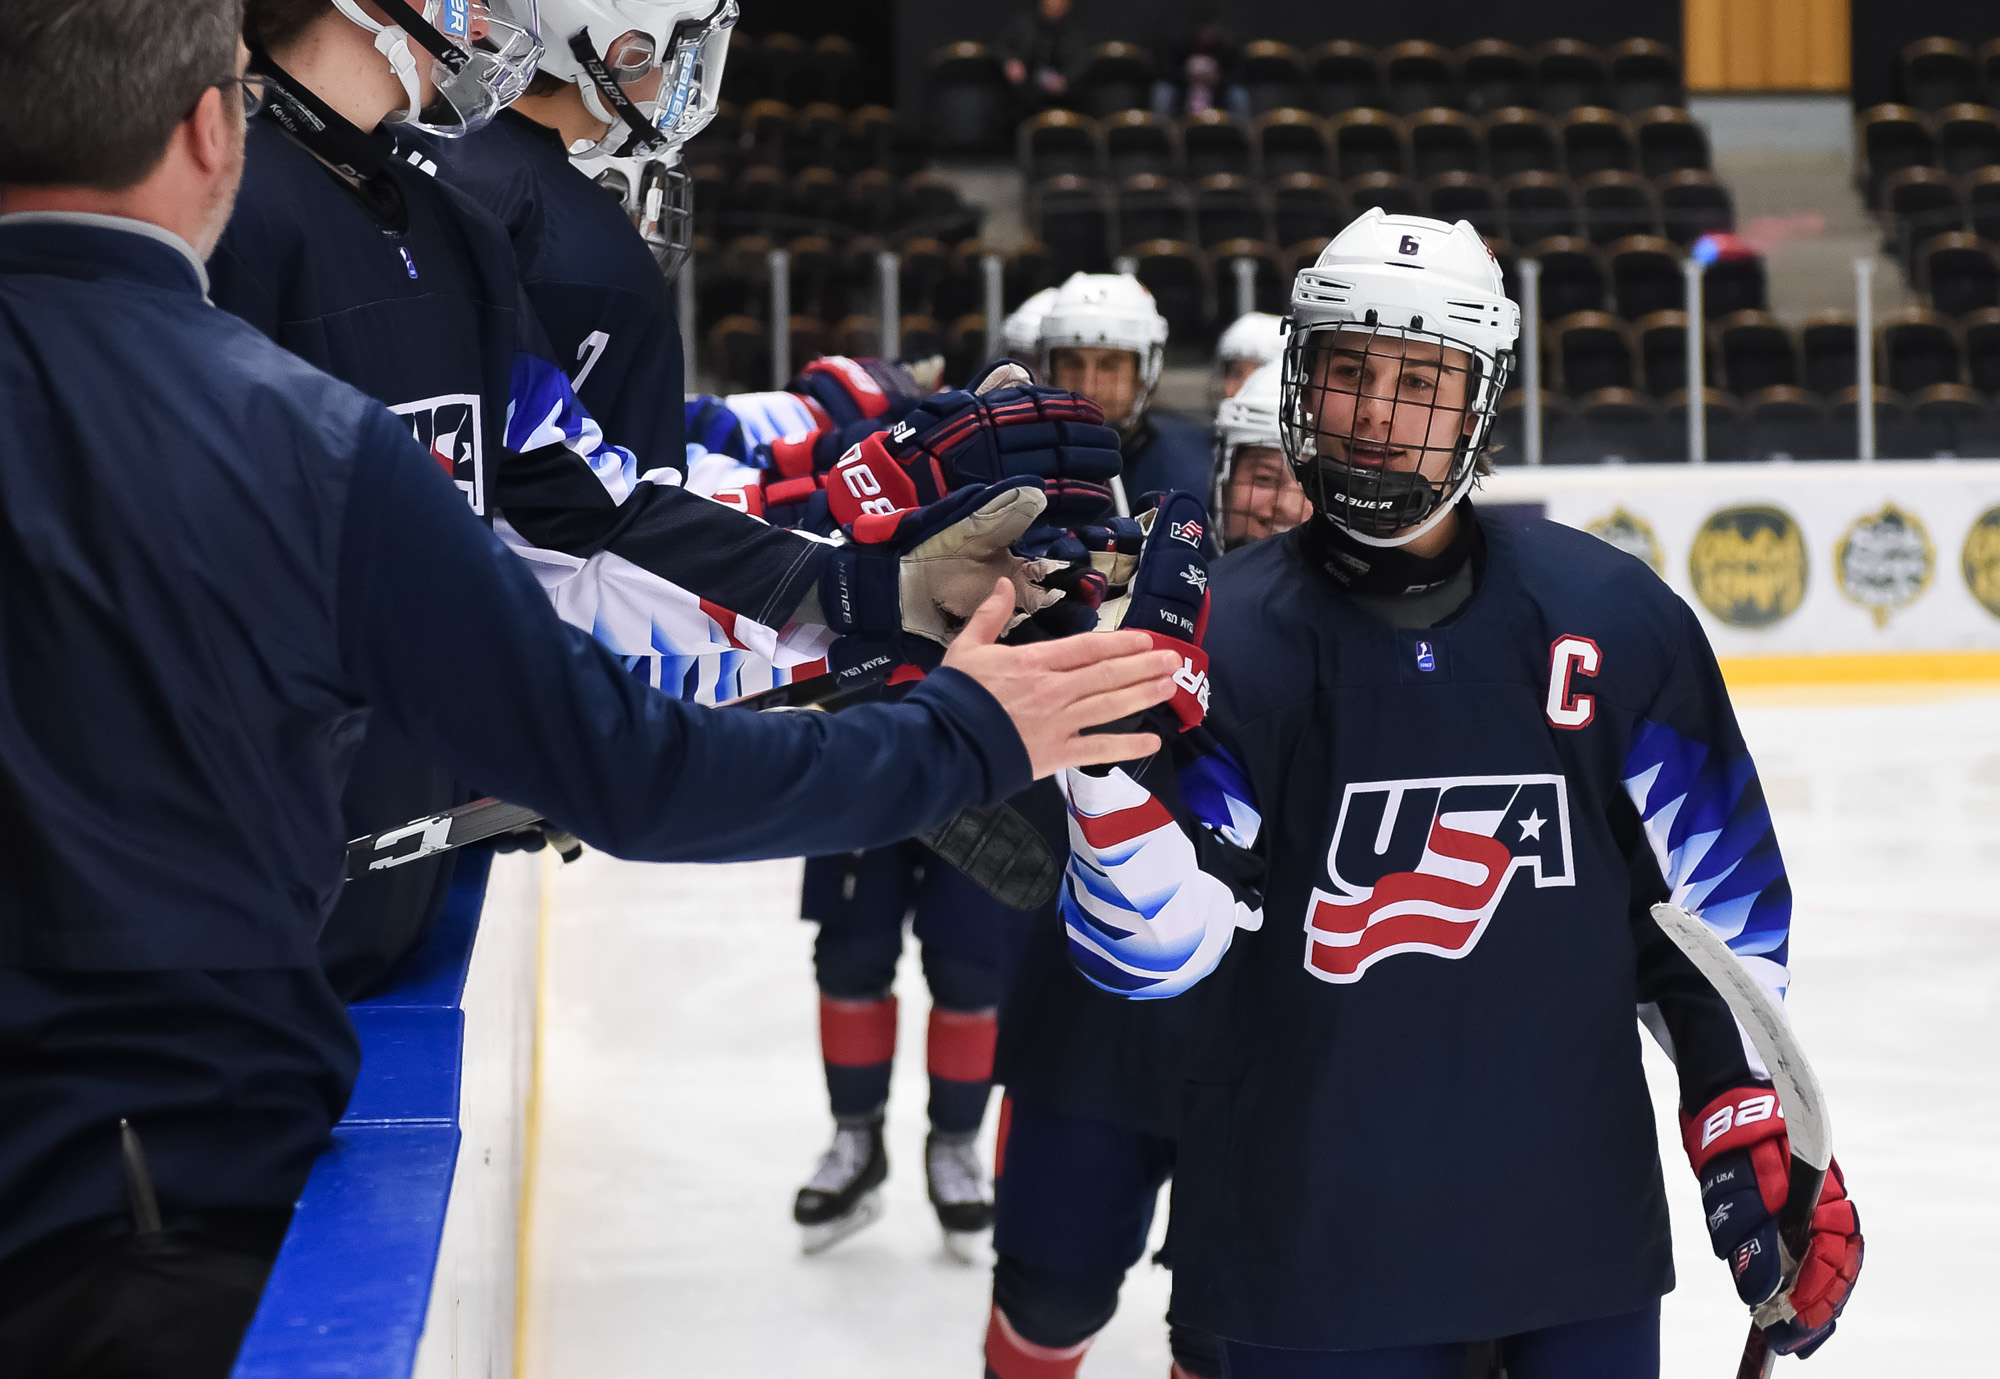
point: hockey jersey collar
(79, 244)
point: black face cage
(661, 206)
(1361, 420)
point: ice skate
(845, 1192)
(958, 1191)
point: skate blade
(866, 1211)
(967, 1247)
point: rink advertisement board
(1788, 560)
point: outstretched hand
(1054, 690)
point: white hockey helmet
(1023, 326)
(650, 69)
(1254, 335)
(1251, 418)
(1112, 311)
(1387, 289)
(482, 54)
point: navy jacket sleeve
(534, 710)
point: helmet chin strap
(603, 89)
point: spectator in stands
(208, 589)
(1202, 75)
(1039, 52)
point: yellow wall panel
(1766, 45)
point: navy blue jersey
(216, 565)
(1415, 1110)
(594, 284)
(1167, 452)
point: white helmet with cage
(1112, 311)
(1401, 342)
(481, 55)
(1254, 335)
(656, 194)
(1023, 326)
(1250, 417)
(1253, 496)
(649, 69)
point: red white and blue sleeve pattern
(1142, 917)
(1705, 817)
(694, 595)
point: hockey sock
(960, 1058)
(1010, 1355)
(857, 1039)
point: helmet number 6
(1409, 245)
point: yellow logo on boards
(1885, 561)
(1748, 566)
(1981, 560)
(1632, 535)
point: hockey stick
(1798, 1093)
(997, 849)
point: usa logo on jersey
(1419, 866)
(448, 427)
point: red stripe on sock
(1000, 1136)
(961, 1044)
(1010, 1356)
(857, 1034)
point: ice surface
(682, 1101)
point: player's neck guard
(1388, 571)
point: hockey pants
(1626, 1347)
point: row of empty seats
(1514, 139)
(1938, 72)
(819, 200)
(770, 133)
(786, 68)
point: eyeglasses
(254, 86)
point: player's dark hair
(274, 23)
(91, 90)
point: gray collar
(116, 222)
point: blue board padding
(348, 1294)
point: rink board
(1832, 572)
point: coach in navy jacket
(215, 564)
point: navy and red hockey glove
(1742, 1156)
(1168, 601)
(909, 578)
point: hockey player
(376, 272)
(1103, 337)
(1455, 761)
(1254, 494)
(1252, 340)
(1022, 329)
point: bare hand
(1054, 690)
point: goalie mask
(477, 56)
(649, 69)
(1108, 311)
(1254, 494)
(1402, 340)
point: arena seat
(931, 205)
(1827, 352)
(1645, 73)
(1732, 285)
(969, 99)
(1951, 419)
(870, 137)
(1270, 285)
(1070, 218)
(1986, 61)
(1981, 333)
(1304, 253)
(1958, 273)
(1418, 74)
(1455, 196)
(779, 58)
(1344, 75)
(1272, 75)
(1115, 76)
(1888, 138)
(1920, 202)
(738, 352)
(1785, 422)
(1305, 205)
(1150, 207)
(817, 133)
(1645, 276)
(711, 185)
(922, 336)
(1669, 140)
(1366, 141)
(1661, 338)
(1617, 205)
(1389, 190)
(869, 201)
(964, 347)
(1520, 140)
(1509, 258)
(1753, 351)
(1509, 446)
(1137, 141)
(754, 200)
(1618, 427)
(1596, 139)
(1570, 74)
(1917, 349)
(857, 336)
(1572, 275)
(1938, 72)
(1211, 142)
(1693, 203)
(1968, 137)
(1539, 204)
(743, 74)
(1228, 206)
(767, 124)
(1290, 140)
(1028, 270)
(1177, 276)
(923, 266)
(1495, 74)
(815, 194)
(1058, 143)
(838, 67)
(1982, 203)
(1722, 425)
(1442, 140)
(1893, 439)
(1590, 350)
(963, 291)
(811, 263)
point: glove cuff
(860, 591)
(1738, 1119)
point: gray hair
(91, 90)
